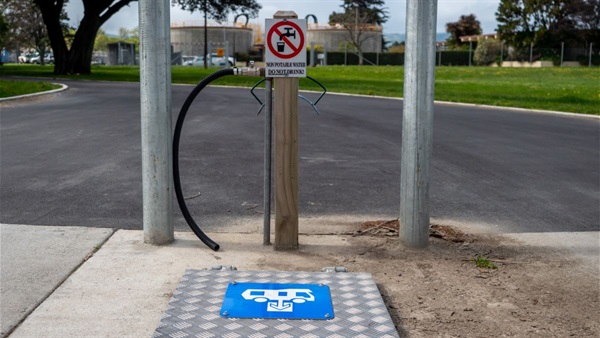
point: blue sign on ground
(272, 300)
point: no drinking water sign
(286, 48)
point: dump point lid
(198, 306)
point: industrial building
(336, 37)
(187, 38)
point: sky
(448, 11)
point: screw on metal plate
(327, 315)
(234, 282)
(225, 313)
(334, 269)
(223, 268)
(312, 104)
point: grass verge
(10, 88)
(574, 90)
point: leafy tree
(123, 33)
(465, 26)
(486, 52)
(27, 27)
(218, 10)
(3, 33)
(547, 22)
(101, 42)
(76, 58)
(397, 47)
(358, 18)
(587, 18)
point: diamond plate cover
(194, 308)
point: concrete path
(35, 260)
(123, 288)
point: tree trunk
(51, 17)
(80, 55)
(77, 60)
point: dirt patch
(532, 292)
(390, 228)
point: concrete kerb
(63, 87)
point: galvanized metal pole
(267, 167)
(591, 49)
(417, 122)
(312, 53)
(155, 94)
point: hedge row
(448, 58)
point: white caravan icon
(282, 298)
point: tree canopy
(358, 17)
(548, 22)
(369, 11)
(27, 29)
(219, 9)
(465, 26)
(3, 32)
(76, 58)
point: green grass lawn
(563, 89)
(10, 88)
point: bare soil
(440, 292)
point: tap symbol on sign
(289, 32)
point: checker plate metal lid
(195, 308)
(274, 300)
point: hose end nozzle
(248, 71)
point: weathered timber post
(285, 110)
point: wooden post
(285, 109)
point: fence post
(591, 49)
(470, 52)
(531, 54)
(562, 53)
(312, 53)
(417, 122)
(285, 109)
(325, 53)
(155, 99)
(345, 54)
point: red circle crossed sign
(283, 38)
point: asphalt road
(74, 159)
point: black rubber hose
(176, 137)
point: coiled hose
(176, 137)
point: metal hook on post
(312, 104)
